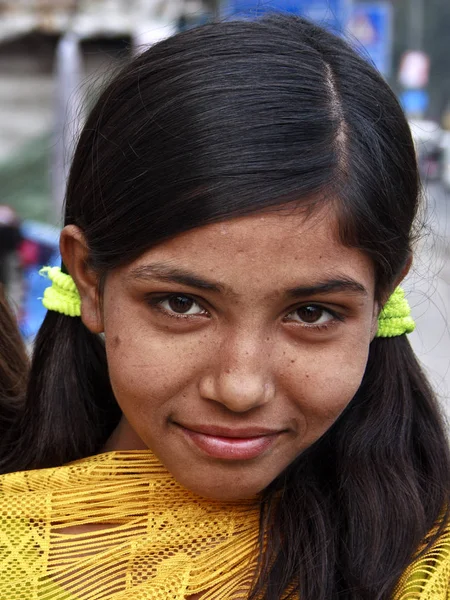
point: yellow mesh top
(140, 535)
(428, 577)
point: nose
(241, 375)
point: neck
(123, 438)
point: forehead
(278, 248)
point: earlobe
(75, 255)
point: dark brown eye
(310, 314)
(180, 304)
(313, 315)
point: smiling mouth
(230, 444)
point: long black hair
(13, 371)
(227, 120)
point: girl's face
(233, 347)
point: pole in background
(416, 21)
(68, 75)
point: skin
(248, 354)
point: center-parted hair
(227, 120)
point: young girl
(225, 354)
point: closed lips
(230, 444)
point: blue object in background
(371, 25)
(414, 102)
(332, 13)
(41, 233)
(33, 311)
(45, 239)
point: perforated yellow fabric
(141, 536)
(428, 577)
(158, 541)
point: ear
(397, 281)
(75, 255)
(404, 272)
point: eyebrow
(341, 284)
(164, 272)
(169, 274)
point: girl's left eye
(180, 305)
(312, 315)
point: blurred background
(54, 55)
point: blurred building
(94, 17)
(54, 55)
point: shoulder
(428, 576)
(84, 471)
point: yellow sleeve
(428, 577)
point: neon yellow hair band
(63, 297)
(395, 317)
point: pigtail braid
(394, 468)
(360, 501)
(13, 378)
(70, 408)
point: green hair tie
(395, 317)
(62, 296)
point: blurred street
(28, 117)
(428, 288)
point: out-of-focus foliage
(25, 182)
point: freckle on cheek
(116, 341)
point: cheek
(149, 369)
(321, 385)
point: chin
(223, 493)
(222, 488)
(223, 480)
